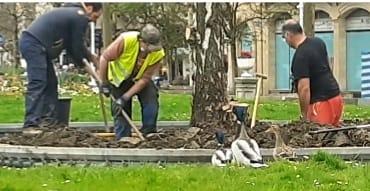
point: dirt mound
(58, 136)
(194, 137)
(295, 134)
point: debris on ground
(295, 134)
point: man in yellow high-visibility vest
(126, 68)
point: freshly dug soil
(295, 134)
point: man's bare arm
(141, 83)
(304, 95)
(113, 52)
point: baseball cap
(151, 35)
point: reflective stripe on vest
(120, 69)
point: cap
(151, 35)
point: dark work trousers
(148, 98)
(42, 88)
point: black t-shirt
(62, 28)
(311, 61)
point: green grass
(172, 107)
(320, 173)
(87, 108)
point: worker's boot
(31, 131)
(145, 130)
(44, 123)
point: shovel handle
(263, 76)
(91, 71)
(101, 98)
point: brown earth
(295, 134)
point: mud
(295, 134)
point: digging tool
(133, 126)
(260, 77)
(101, 98)
(367, 126)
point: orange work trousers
(327, 112)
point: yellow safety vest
(121, 68)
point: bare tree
(14, 18)
(210, 78)
(107, 25)
(309, 19)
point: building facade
(345, 29)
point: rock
(210, 144)
(342, 140)
(194, 130)
(156, 136)
(191, 132)
(131, 140)
(193, 145)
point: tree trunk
(230, 71)
(170, 66)
(234, 67)
(210, 80)
(233, 58)
(309, 19)
(107, 25)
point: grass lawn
(87, 108)
(323, 172)
(172, 107)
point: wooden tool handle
(256, 99)
(102, 105)
(261, 75)
(132, 125)
(91, 71)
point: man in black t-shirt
(47, 36)
(318, 91)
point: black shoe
(147, 130)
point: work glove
(120, 102)
(105, 89)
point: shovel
(101, 98)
